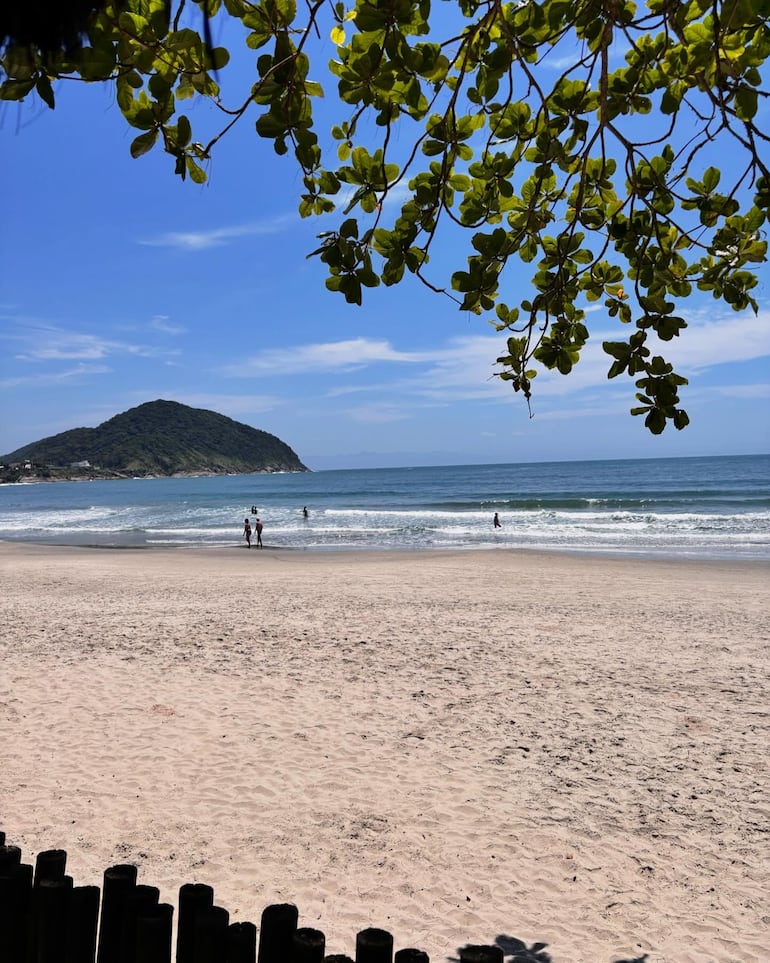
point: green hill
(161, 438)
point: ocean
(705, 508)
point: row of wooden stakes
(45, 918)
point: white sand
(570, 751)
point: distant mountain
(162, 438)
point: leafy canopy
(581, 137)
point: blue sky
(121, 285)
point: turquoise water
(683, 507)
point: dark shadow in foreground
(513, 950)
(517, 951)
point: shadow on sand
(517, 951)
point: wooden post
(49, 867)
(411, 955)
(15, 908)
(118, 883)
(52, 903)
(10, 856)
(50, 864)
(241, 943)
(83, 921)
(277, 927)
(481, 954)
(307, 946)
(374, 946)
(140, 899)
(193, 899)
(14, 902)
(211, 926)
(153, 934)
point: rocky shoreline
(38, 476)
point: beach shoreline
(453, 745)
(394, 553)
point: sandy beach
(564, 754)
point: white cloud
(584, 410)
(216, 237)
(706, 342)
(743, 391)
(329, 356)
(342, 390)
(711, 337)
(69, 348)
(40, 342)
(379, 414)
(162, 322)
(710, 340)
(60, 377)
(463, 369)
(396, 197)
(567, 53)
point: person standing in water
(305, 512)
(258, 528)
(496, 521)
(247, 531)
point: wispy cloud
(38, 342)
(743, 391)
(161, 322)
(68, 346)
(218, 236)
(589, 409)
(48, 379)
(464, 368)
(711, 340)
(396, 196)
(90, 347)
(379, 413)
(329, 356)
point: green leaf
(197, 174)
(271, 126)
(98, 61)
(183, 131)
(655, 421)
(144, 142)
(711, 178)
(158, 86)
(45, 91)
(746, 102)
(219, 57)
(681, 419)
(16, 89)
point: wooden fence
(45, 918)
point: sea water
(675, 507)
